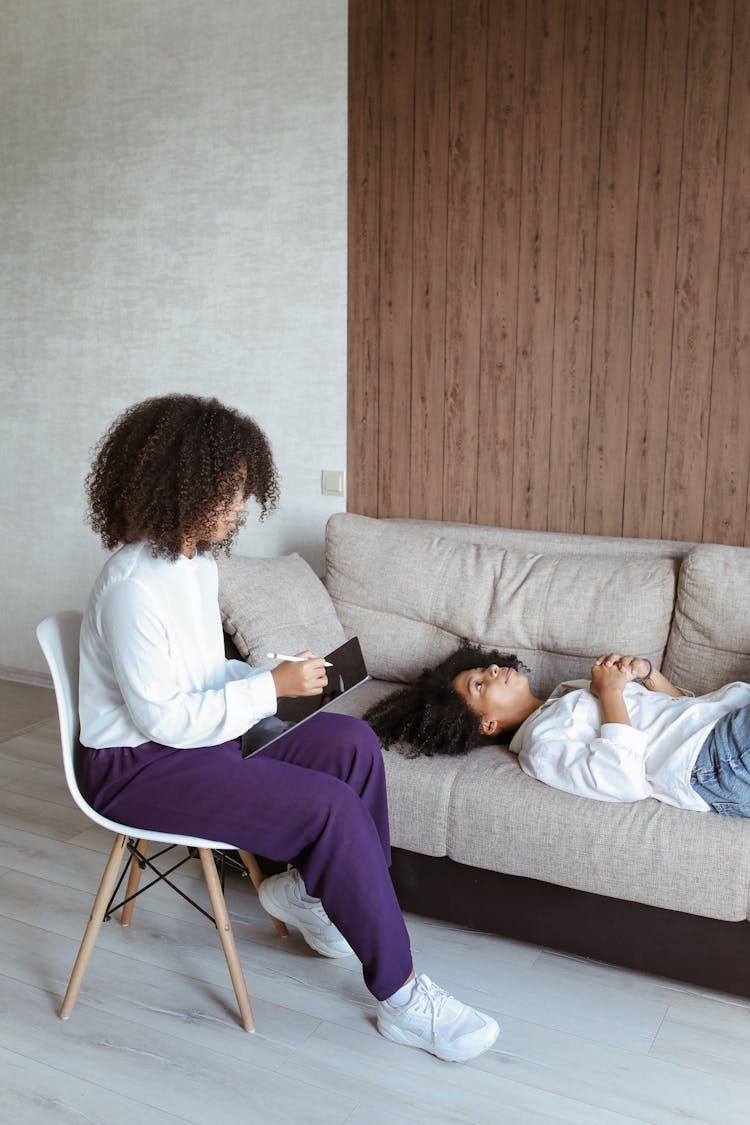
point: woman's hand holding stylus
(306, 676)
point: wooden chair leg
(253, 869)
(226, 934)
(91, 933)
(134, 878)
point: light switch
(332, 482)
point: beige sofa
(476, 840)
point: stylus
(295, 659)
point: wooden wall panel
(506, 53)
(698, 241)
(725, 509)
(365, 74)
(622, 87)
(464, 258)
(549, 238)
(656, 252)
(576, 259)
(536, 271)
(396, 211)
(432, 63)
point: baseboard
(24, 676)
(685, 947)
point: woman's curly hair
(429, 716)
(167, 465)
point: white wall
(173, 194)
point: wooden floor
(155, 1035)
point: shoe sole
(408, 1039)
(277, 910)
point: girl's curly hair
(166, 465)
(429, 716)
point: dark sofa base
(685, 947)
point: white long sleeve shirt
(153, 667)
(565, 744)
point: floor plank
(23, 705)
(31, 1091)
(173, 1075)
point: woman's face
(226, 516)
(221, 521)
(499, 696)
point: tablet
(347, 671)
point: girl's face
(501, 697)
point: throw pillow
(276, 605)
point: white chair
(59, 638)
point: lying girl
(627, 734)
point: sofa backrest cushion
(710, 640)
(410, 593)
(276, 605)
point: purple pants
(316, 798)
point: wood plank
(576, 257)
(728, 469)
(35, 1093)
(699, 238)
(396, 208)
(433, 30)
(538, 254)
(131, 1060)
(656, 252)
(363, 256)
(506, 48)
(464, 257)
(615, 265)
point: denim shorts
(721, 775)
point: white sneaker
(284, 896)
(438, 1023)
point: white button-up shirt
(566, 745)
(153, 667)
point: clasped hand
(293, 679)
(613, 670)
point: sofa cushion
(277, 605)
(710, 640)
(410, 595)
(646, 852)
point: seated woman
(627, 734)
(163, 713)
